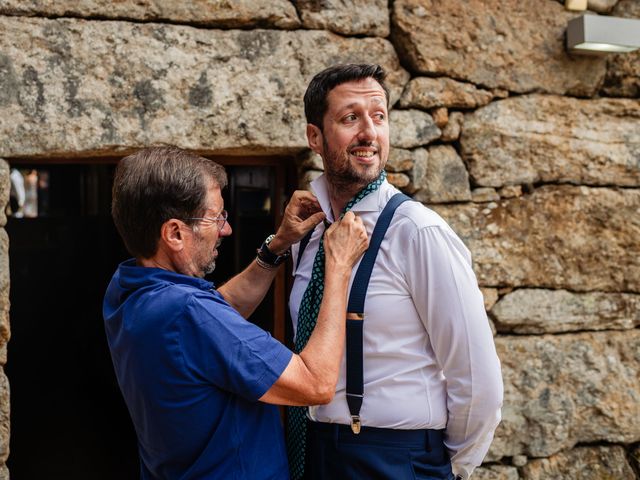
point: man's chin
(365, 174)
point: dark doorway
(68, 419)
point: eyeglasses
(220, 220)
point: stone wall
(532, 155)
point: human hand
(344, 242)
(303, 213)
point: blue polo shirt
(191, 370)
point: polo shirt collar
(132, 277)
(370, 203)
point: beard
(207, 261)
(342, 174)
(210, 267)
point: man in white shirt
(432, 382)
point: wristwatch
(267, 256)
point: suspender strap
(355, 311)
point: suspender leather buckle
(355, 424)
(355, 316)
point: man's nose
(226, 230)
(367, 131)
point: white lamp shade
(599, 34)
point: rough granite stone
(481, 41)
(561, 390)
(412, 128)
(484, 194)
(547, 138)
(495, 472)
(105, 87)
(443, 179)
(552, 311)
(398, 180)
(347, 17)
(510, 191)
(623, 70)
(212, 13)
(5, 406)
(419, 169)
(601, 6)
(440, 117)
(585, 463)
(426, 93)
(575, 5)
(400, 160)
(451, 132)
(490, 296)
(576, 238)
(519, 460)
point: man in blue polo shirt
(199, 380)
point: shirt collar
(370, 203)
(132, 277)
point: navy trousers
(335, 453)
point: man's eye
(350, 118)
(380, 116)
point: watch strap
(268, 257)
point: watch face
(266, 255)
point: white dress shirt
(429, 355)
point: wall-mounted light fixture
(599, 34)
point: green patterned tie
(307, 317)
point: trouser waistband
(344, 434)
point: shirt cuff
(462, 470)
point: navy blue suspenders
(355, 308)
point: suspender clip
(355, 316)
(355, 424)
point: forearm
(245, 291)
(323, 353)
(311, 377)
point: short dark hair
(154, 185)
(315, 98)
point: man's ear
(314, 137)
(171, 235)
